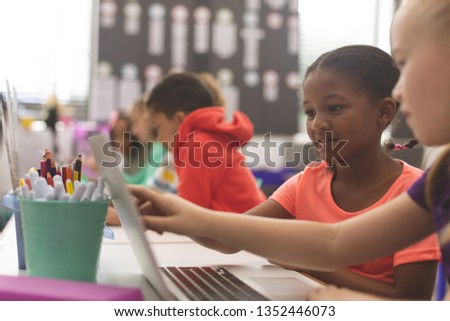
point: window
(329, 24)
(46, 48)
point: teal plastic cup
(63, 239)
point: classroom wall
(250, 46)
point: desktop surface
(118, 265)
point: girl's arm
(268, 208)
(447, 296)
(411, 281)
(308, 245)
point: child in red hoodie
(210, 167)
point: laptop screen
(128, 214)
(5, 177)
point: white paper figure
(130, 87)
(132, 18)
(153, 74)
(274, 20)
(271, 82)
(230, 92)
(252, 35)
(293, 6)
(253, 5)
(251, 78)
(156, 32)
(293, 34)
(224, 40)
(108, 10)
(202, 17)
(176, 70)
(293, 80)
(276, 4)
(179, 46)
(104, 92)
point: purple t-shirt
(440, 207)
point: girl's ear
(179, 116)
(387, 111)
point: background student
(143, 158)
(166, 178)
(163, 176)
(210, 167)
(140, 155)
(347, 98)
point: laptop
(228, 282)
(5, 185)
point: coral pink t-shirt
(307, 196)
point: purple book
(26, 288)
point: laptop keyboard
(207, 284)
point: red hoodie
(210, 167)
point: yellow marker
(444, 234)
(168, 176)
(69, 187)
(21, 182)
(75, 176)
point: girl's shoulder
(409, 170)
(315, 170)
(314, 165)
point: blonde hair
(214, 87)
(139, 105)
(444, 236)
(435, 13)
(442, 162)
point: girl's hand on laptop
(167, 212)
(284, 266)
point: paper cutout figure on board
(275, 4)
(156, 32)
(293, 35)
(271, 82)
(130, 87)
(274, 20)
(224, 40)
(202, 17)
(253, 5)
(108, 11)
(180, 15)
(132, 18)
(231, 92)
(251, 78)
(293, 6)
(152, 74)
(104, 91)
(293, 80)
(252, 36)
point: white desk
(118, 265)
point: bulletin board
(251, 46)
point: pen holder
(10, 201)
(63, 239)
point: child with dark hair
(348, 103)
(210, 167)
(142, 157)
